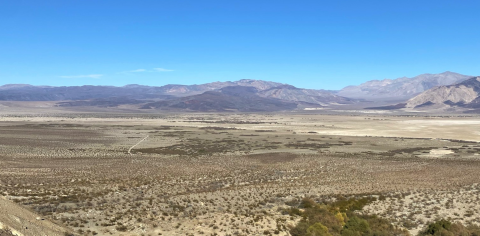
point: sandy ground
(424, 206)
(49, 148)
(459, 128)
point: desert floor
(233, 174)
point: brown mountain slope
(465, 95)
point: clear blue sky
(310, 44)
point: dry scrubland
(234, 174)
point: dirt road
(130, 150)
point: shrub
(340, 218)
(444, 227)
(356, 226)
(121, 228)
(318, 229)
(437, 227)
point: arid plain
(231, 173)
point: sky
(309, 44)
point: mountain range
(427, 91)
(242, 95)
(231, 98)
(25, 92)
(402, 88)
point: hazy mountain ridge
(242, 95)
(258, 95)
(232, 98)
(86, 92)
(291, 93)
(25, 92)
(401, 88)
(187, 90)
(14, 86)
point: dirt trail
(23, 222)
(129, 150)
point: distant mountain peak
(449, 73)
(134, 86)
(247, 80)
(254, 81)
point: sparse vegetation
(231, 174)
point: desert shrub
(340, 218)
(307, 203)
(318, 229)
(300, 229)
(356, 226)
(121, 228)
(444, 227)
(474, 230)
(352, 204)
(437, 227)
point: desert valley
(202, 166)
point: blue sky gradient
(309, 44)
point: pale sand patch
(438, 153)
(443, 122)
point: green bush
(438, 227)
(318, 229)
(339, 218)
(356, 226)
(444, 227)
